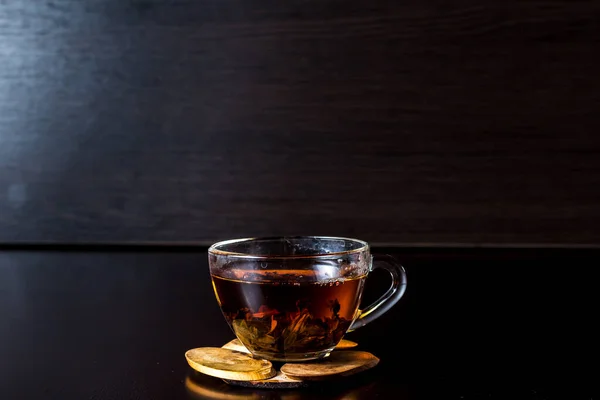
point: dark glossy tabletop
(114, 324)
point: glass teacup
(294, 298)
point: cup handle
(389, 298)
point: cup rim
(213, 249)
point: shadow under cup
(294, 298)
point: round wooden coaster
(356, 361)
(338, 364)
(229, 364)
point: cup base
(292, 357)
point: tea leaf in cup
(246, 334)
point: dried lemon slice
(229, 364)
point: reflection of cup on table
(294, 298)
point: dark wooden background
(401, 122)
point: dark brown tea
(284, 313)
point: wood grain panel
(397, 122)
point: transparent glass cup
(294, 298)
